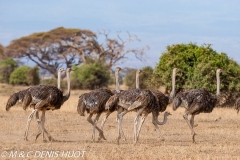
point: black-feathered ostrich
(142, 101)
(162, 100)
(19, 96)
(237, 105)
(45, 97)
(197, 101)
(94, 103)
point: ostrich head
(219, 71)
(60, 69)
(69, 70)
(167, 114)
(118, 69)
(139, 71)
(176, 70)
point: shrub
(144, 78)
(198, 65)
(91, 76)
(25, 75)
(6, 68)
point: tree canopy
(198, 66)
(69, 46)
(53, 49)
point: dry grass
(217, 135)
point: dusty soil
(218, 136)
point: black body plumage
(13, 99)
(44, 96)
(195, 101)
(93, 102)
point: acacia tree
(113, 51)
(53, 49)
(198, 66)
(66, 47)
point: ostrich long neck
(137, 81)
(68, 92)
(173, 92)
(117, 82)
(59, 78)
(218, 86)
(164, 120)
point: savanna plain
(218, 134)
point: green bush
(130, 78)
(33, 76)
(91, 76)
(144, 78)
(6, 68)
(25, 75)
(198, 66)
(53, 82)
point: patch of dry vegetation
(217, 134)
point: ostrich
(118, 69)
(19, 96)
(94, 103)
(197, 101)
(60, 70)
(45, 97)
(142, 101)
(237, 105)
(162, 100)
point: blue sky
(156, 23)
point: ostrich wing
(18, 96)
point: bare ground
(218, 135)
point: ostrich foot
(195, 125)
(52, 139)
(101, 135)
(117, 140)
(161, 137)
(193, 137)
(25, 138)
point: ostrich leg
(94, 126)
(140, 124)
(192, 121)
(135, 124)
(103, 122)
(190, 124)
(154, 121)
(39, 129)
(89, 119)
(42, 125)
(28, 123)
(119, 119)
